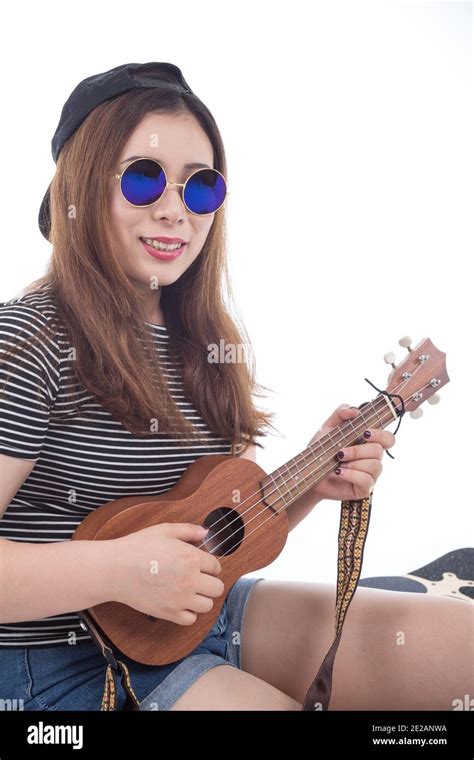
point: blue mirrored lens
(205, 191)
(143, 182)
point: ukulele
(245, 510)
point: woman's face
(174, 141)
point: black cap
(93, 91)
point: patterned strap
(109, 697)
(353, 528)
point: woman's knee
(227, 688)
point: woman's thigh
(398, 650)
(227, 688)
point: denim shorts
(72, 677)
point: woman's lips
(163, 255)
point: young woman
(106, 391)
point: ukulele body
(249, 535)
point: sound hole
(226, 531)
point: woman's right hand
(157, 571)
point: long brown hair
(104, 313)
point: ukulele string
(356, 420)
(400, 414)
(275, 490)
(260, 525)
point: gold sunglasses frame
(168, 182)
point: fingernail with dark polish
(367, 434)
(340, 455)
(338, 471)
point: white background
(366, 111)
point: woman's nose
(171, 202)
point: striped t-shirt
(82, 461)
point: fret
(337, 445)
(357, 430)
(318, 461)
(284, 482)
(382, 424)
(365, 421)
(351, 422)
(278, 489)
(320, 455)
(299, 472)
(291, 475)
(304, 454)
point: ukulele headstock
(419, 376)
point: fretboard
(294, 478)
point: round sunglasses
(143, 182)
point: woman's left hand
(361, 465)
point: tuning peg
(416, 413)
(434, 399)
(390, 359)
(405, 342)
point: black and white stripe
(83, 461)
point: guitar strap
(109, 697)
(353, 527)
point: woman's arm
(40, 580)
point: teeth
(162, 246)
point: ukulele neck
(294, 478)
